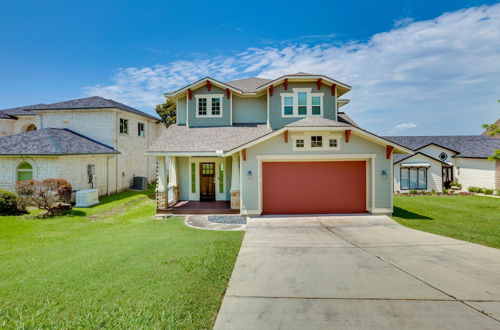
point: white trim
(316, 157)
(267, 100)
(230, 108)
(250, 212)
(187, 111)
(295, 103)
(299, 78)
(209, 98)
(306, 136)
(177, 110)
(219, 196)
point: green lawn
(470, 218)
(113, 265)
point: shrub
(10, 203)
(446, 191)
(413, 192)
(47, 195)
(433, 191)
(473, 189)
(488, 191)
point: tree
(167, 112)
(52, 195)
(492, 129)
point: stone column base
(161, 200)
(235, 199)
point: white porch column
(172, 178)
(161, 186)
(235, 182)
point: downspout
(116, 148)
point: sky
(415, 67)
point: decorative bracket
(190, 94)
(244, 154)
(319, 83)
(228, 93)
(388, 151)
(334, 89)
(271, 90)
(347, 133)
(286, 84)
(286, 136)
(209, 85)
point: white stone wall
(9, 127)
(71, 168)
(96, 124)
(132, 161)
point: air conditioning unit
(87, 198)
(140, 183)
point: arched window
(31, 127)
(24, 171)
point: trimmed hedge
(10, 203)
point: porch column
(172, 179)
(235, 183)
(161, 186)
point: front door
(207, 181)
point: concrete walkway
(201, 222)
(359, 272)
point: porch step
(197, 211)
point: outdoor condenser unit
(140, 183)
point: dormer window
(209, 105)
(301, 103)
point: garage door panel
(314, 187)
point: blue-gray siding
(277, 121)
(249, 110)
(225, 120)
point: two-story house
(92, 142)
(261, 146)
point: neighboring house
(92, 142)
(439, 160)
(281, 146)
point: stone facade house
(91, 142)
(261, 146)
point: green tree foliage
(492, 131)
(167, 112)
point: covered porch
(197, 184)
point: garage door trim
(370, 202)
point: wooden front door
(207, 181)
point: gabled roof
(400, 157)
(248, 85)
(316, 121)
(467, 146)
(51, 141)
(344, 118)
(254, 86)
(92, 102)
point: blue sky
(416, 67)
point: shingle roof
(248, 85)
(315, 121)
(468, 146)
(344, 118)
(52, 141)
(206, 139)
(19, 111)
(93, 102)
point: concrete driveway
(358, 272)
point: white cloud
(443, 73)
(404, 127)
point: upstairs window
(302, 102)
(209, 105)
(140, 129)
(123, 126)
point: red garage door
(314, 187)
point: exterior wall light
(249, 175)
(384, 174)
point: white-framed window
(123, 126)
(316, 141)
(140, 129)
(209, 105)
(301, 103)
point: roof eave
(305, 78)
(200, 83)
